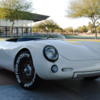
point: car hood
(77, 50)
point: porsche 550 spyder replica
(49, 58)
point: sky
(57, 10)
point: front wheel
(25, 72)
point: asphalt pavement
(77, 89)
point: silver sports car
(49, 57)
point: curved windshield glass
(37, 36)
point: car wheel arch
(37, 78)
(18, 53)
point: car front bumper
(86, 74)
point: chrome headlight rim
(45, 55)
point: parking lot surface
(77, 89)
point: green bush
(79, 37)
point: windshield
(37, 36)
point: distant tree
(76, 30)
(80, 29)
(48, 26)
(85, 8)
(98, 29)
(83, 29)
(12, 10)
(91, 27)
(69, 29)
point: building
(23, 26)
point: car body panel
(77, 51)
(73, 57)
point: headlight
(51, 53)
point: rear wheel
(25, 72)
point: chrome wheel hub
(28, 70)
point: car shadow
(88, 89)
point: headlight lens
(51, 53)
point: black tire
(25, 72)
(91, 78)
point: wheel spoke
(26, 70)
